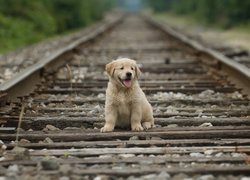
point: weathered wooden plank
(89, 83)
(135, 160)
(168, 102)
(136, 150)
(128, 171)
(136, 143)
(92, 90)
(216, 169)
(177, 134)
(77, 111)
(145, 82)
(38, 123)
(188, 109)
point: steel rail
(238, 73)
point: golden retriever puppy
(126, 104)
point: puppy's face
(123, 71)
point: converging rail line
(199, 98)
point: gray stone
(24, 141)
(126, 155)
(101, 177)
(65, 168)
(19, 153)
(13, 168)
(207, 124)
(156, 138)
(49, 165)
(51, 128)
(196, 154)
(206, 177)
(64, 178)
(48, 140)
(149, 177)
(163, 175)
(172, 125)
(134, 138)
(180, 176)
(209, 152)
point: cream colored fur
(126, 106)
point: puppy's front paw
(146, 125)
(107, 128)
(137, 127)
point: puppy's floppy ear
(110, 68)
(137, 71)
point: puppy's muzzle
(127, 81)
(128, 75)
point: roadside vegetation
(223, 13)
(216, 21)
(23, 22)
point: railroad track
(202, 117)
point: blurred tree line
(24, 22)
(226, 13)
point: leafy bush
(23, 22)
(226, 13)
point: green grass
(173, 19)
(18, 33)
(25, 22)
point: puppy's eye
(132, 68)
(122, 68)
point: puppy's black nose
(128, 74)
